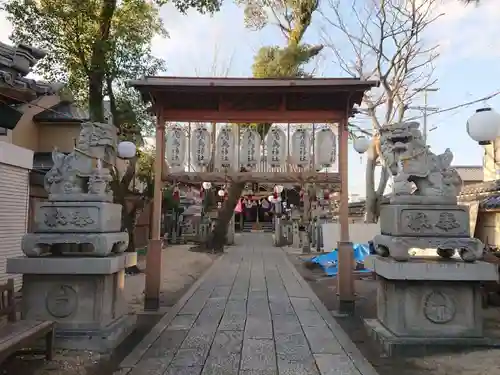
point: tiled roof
(16, 63)
(481, 188)
(490, 203)
(64, 111)
(68, 112)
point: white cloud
(202, 44)
(467, 31)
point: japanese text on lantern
(176, 142)
(175, 146)
(225, 146)
(201, 146)
(251, 157)
(275, 150)
(302, 146)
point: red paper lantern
(176, 195)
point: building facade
(21, 99)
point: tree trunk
(371, 203)
(374, 196)
(98, 61)
(129, 220)
(217, 238)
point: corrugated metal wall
(14, 195)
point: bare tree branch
(383, 40)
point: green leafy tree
(292, 17)
(95, 46)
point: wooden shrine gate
(250, 100)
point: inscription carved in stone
(61, 301)
(439, 308)
(418, 221)
(76, 218)
(447, 221)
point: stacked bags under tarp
(329, 261)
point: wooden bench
(17, 335)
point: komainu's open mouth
(401, 139)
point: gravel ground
(180, 269)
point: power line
(426, 108)
(458, 106)
(448, 109)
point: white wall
(358, 233)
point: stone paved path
(252, 314)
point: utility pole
(426, 108)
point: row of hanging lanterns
(301, 142)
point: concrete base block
(429, 301)
(396, 346)
(430, 308)
(101, 340)
(431, 268)
(84, 296)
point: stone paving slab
(251, 314)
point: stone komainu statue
(423, 211)
(80, 216)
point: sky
(467, 69)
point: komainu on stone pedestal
(423, 211)
(74, 268)
(79, 217)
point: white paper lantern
(225, 148)
(361, 144)
(175, 148)
(201, 146)
(325, 148)
(221, 193)
(126, 150)
(301, 147)
(278, 189)
(484, 126)
(270, 198)
(276, 145)
(250, 149)
(206, 185)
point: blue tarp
(329, 261)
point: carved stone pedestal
(428, 302)
(76, 227)
(444, 228)
(83, 295)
